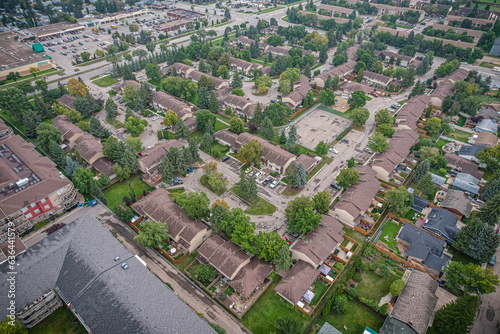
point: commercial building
(129, 14)
(49, 31)
(31, 187)
(110, 290)
(19, 57)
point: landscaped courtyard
(114, 193)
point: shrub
(384, 270)
(355, 293)
(385, 255)
(317, 72)
(364, 266)
(373, 266)
(340, 304)
(338, 265)
(351, 274)
(397, 287)
(357, 278)
(367, 252)
(222, 296)
(228, 111)
(442, 172)
(383, 309)
(353, 285)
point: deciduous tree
(347, 177)
(153, 234)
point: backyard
(412, 213)
(390, 231)
(440, 143)
(261, 318)
(374, 286)
(61, 321)
(355, 319)
(459, 135)
(115, 192)
(320, 288)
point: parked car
(335, 186)
(367, 149)
(248, 170)
(226, 158)
(345, 141)
(333, 150)
(266, 181)
(274, 184)
(257, 175)
(251, 173)
(493, 260)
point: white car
(274, 184)
(257, 175)
(333, 150)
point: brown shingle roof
(358, 197)
(415, 305)
(159, 206)
(296, 281)
(487, 139)
(43, 167)
(225, 256)
(377, 77)
(306, 161)
(401, 143)
(318, 244)
(88, 146)
(119, 86)
(66, 100)
(250, 276)
(412, 111)
(468, 167)
(104, 166)
(336, 9)
(458, 30)
(154, 155)
(171, 102)
(68, 129)
(339, 70)
(458, 200)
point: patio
(313, 295)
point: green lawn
(30, 76)
(461, 120)
(197, 135)
(115, 123)
(391, 230)
(320, 288)
(356, 319)
(186, 262)
(61, 321)
(105, 81)
(440, 143)
(460, 257)
(352, 233)
(488, 174)
(204, 182)
(373, 286)
(459, 135)
(115, 192)
(269, 307)
(260, 207)
(220, 126)
(409, 215)
(223, 118)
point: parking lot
(319, 125)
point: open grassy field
(373, 286)
(105, 81)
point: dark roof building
(466, 183)
(296, 281)
(78, 262)
(443, 223)
(66, 100)
(250, 276)
(422, 247)
(419, 204)
(457, 202)
(470, 152)
(463, 165)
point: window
(47, 207)
(33, 205)
(24, 209)
(55, 200)
(59, 192)
(29, 216)
(37, 211)
(52, 194)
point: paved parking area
(234, 165)
(319, 125)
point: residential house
(66, 100)
(464, 11)
(81, 266)
(224, 255)
(398, 11)
(442, 223)
(438, 181)
(481, 23)
(243, 40)
(243, 66)
(466, 183)
(300, 89)
(91, 151)
(352, 86)
(386, 56)
(159, 206)
(422, 248)
(270, 30)
(414, 309)
(490, 111)
(5, 130)
(187, 72)
(343, 11)
(338, 20)
(32, 188)
(239, 105)
(277, 51)
(317, 245)
(306, 161)
(70, 132)
(470, 152)
(476, 34)
(385, 163)
(458, 203)
(352, 52)
(354, 202)
(409, 114)
(163, 101)
(460, 164)
(341, 70)
(376, 79)
(296, 282)
(248, 279)
(495, 49)
(273, 157)
(487, 125)
(328, 329)
(119, 86)
(487, 139)
(150, 162)
(419, 204)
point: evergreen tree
(129, 159)
(133, 196)
(237, 83)
(203, 99)
(206, 142)
(202, 66)
(335, 82)
(292, 135)
(258, 116)
(97, 192)
(213, 103)
(128, 113)
(283, 261)
(166, 168)
(323, 54)
(300, 177)
(282, 139)
(177, 161)
(111, 109)
(30, 122)
(490, 211)
(57, 153)
(193, 150)
(267, 129)
(478, 240)
(492, 188)
(71, 166)
(41, 108)
(307, 70)
(421, 170)
(457, 316)
(423, 67)
(181, 129)
(328, 83)
(96, 129)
